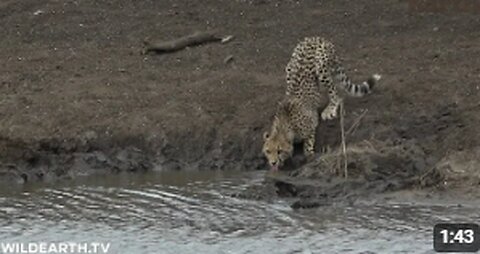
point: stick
(344, 146)
(356, 123)
(194, 39)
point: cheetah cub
(313, 63)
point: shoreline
(78, 97)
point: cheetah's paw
(329, 114)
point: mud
(372, 168)
(399, 171)
(77, 96)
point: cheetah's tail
(358, 90)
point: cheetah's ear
(266, 135)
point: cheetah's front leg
(309, 129)
(309, 147)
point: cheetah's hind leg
(330, 112)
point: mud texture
(372, 168)
(77, 96)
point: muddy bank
(51, 160)
(374, 170)
(77, 97)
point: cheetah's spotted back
(314, 63)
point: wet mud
(77, 97)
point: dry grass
(342, 154)
(461, 167)
(356, 123)
(337, 160)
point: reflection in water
(192, 212)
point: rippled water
(180, 212)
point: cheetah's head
(277, 148)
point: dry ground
(76, 93)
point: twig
(228, 59)
(344, 146)
(227, 39)
(426, 173)
(194, 39)
(356, 123)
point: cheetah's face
(276, 149)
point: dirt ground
(77, 96)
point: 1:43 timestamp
(456, 237)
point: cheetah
(313, 64)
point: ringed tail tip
(371, 82)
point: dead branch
(228, 59)
(344, 146)
(356, 123)
(194, 39)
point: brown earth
(77, 96)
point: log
(194, 39)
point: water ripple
(198, 216)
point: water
(185, 212)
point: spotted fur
(312, 65)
